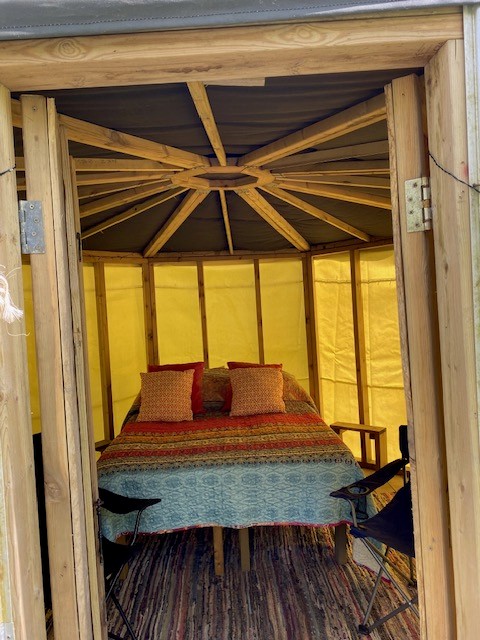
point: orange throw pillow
(243, 365)
(198, 367)
(166, 396)
(256, 390)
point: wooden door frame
(409, 40)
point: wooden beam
(328, 155)
(360, 347)
(86, 427)
(357, 117)
(447, 125)
(97, 136)
(421, 361)
(52, 350)
(311, 326)
(316, 212)
(150, 314)
(370, 182)
(203, 311)
(226, 220)
(103, 190)
(133, 211)
(178, 217)
(119, 199)
(402, 42)
(274, 219)
(204, 110)
(115, 164)
(21, 569)
(342, 167)
(109, 177)
(104, 351)
(347, 194)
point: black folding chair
(116, 555)
(392, 527)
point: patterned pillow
(243, 365)
(197, 403)
(214, 384)
(256, 390)
(166, 396)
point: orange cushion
(256, 390)
(198, 367)
(243, 365)
(166, 396)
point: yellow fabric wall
(126, 333)
(179, 324)
(231, 312)
(283, 316)
(336, 343)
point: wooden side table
(377, 434)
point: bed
(219, 470)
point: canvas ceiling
(247, 118)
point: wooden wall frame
(402, 41)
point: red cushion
(227, 405)
(197, 403)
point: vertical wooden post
(104, 350)
(150, 313)
(446, 113)
(311, 327)
(421, 358)
(203, 311)
(16, 449)
(86, 431)
(54, 345)
(360, 349)
(258, 301)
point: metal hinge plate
(32, 236)
(418, 204)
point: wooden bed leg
(244, 548)
(218, 551)
(341, 543)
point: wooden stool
(377, 434)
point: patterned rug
(295, 590)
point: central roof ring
(222, 178)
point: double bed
(219, 470)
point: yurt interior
(256, 215)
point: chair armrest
(366, 486)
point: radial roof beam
(204, 110)
(357, 117)
(347, 194)
(316, 212)
(329, 155)
(226, 219)
(133, 211)
(106, 177)
(119, 199)
(274, 219)
(370, 182)
(97, 136)
(358, 167)
(96, 191)
(121, 164)
(178, 217)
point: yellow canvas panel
(179, 324)
(93, 352)
(126, 331)
(283, 316)
(231, 312)
(31, 353)
(382, 339)
(338, 380)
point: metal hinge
(32, 237)
(418, 204)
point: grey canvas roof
(21, 19)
